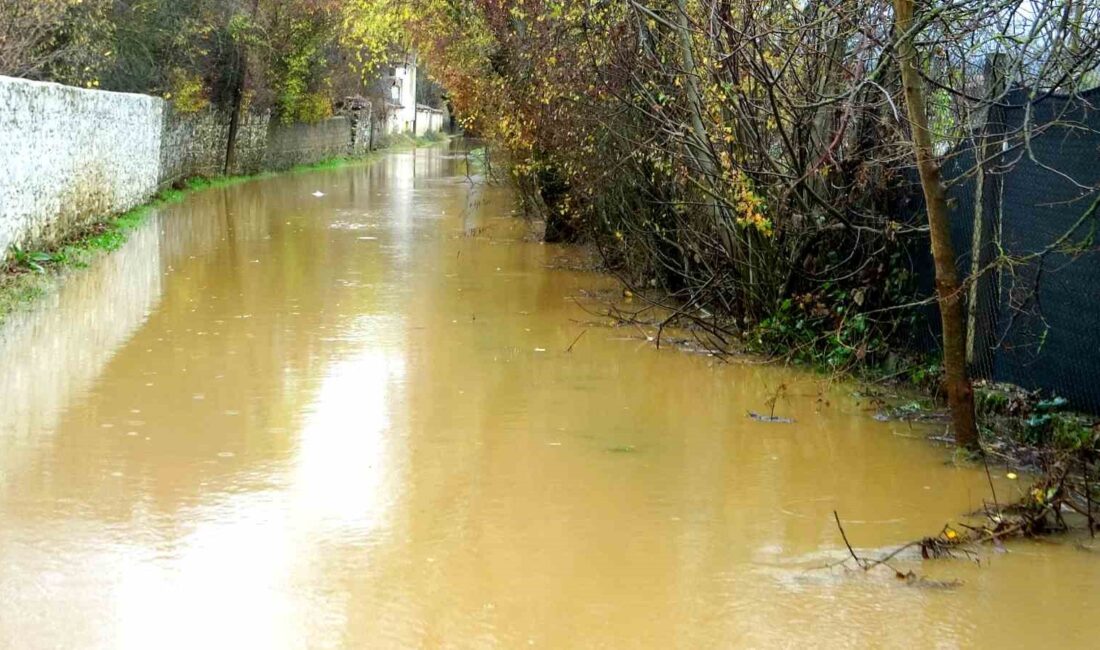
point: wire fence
(1024, 193)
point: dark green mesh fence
(1034, 313)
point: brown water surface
(278, 420)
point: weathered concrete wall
(69, 156)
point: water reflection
(341, 475)
(52, 356)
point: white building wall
(428, 120)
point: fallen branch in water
(844, 536)
(579, 336)
(774, 419)
(909, 577)
(1063, 489)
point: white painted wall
(428, 119)
(69, 156)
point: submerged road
(334, 410)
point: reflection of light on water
(235, 580)
(343, 453)
(227, 586)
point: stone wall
(361, 133)
(251, 145)
(299, 144)
(69, 156)
(194, 145)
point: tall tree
(237, 109)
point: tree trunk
(238, 102)
(960, 392)
(234, 124)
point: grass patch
(28, 275)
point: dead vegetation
(1060, 500)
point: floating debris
(622, 449)
(910, 412)
(773, 419)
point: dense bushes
(744, 157)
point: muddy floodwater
(335, 410)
